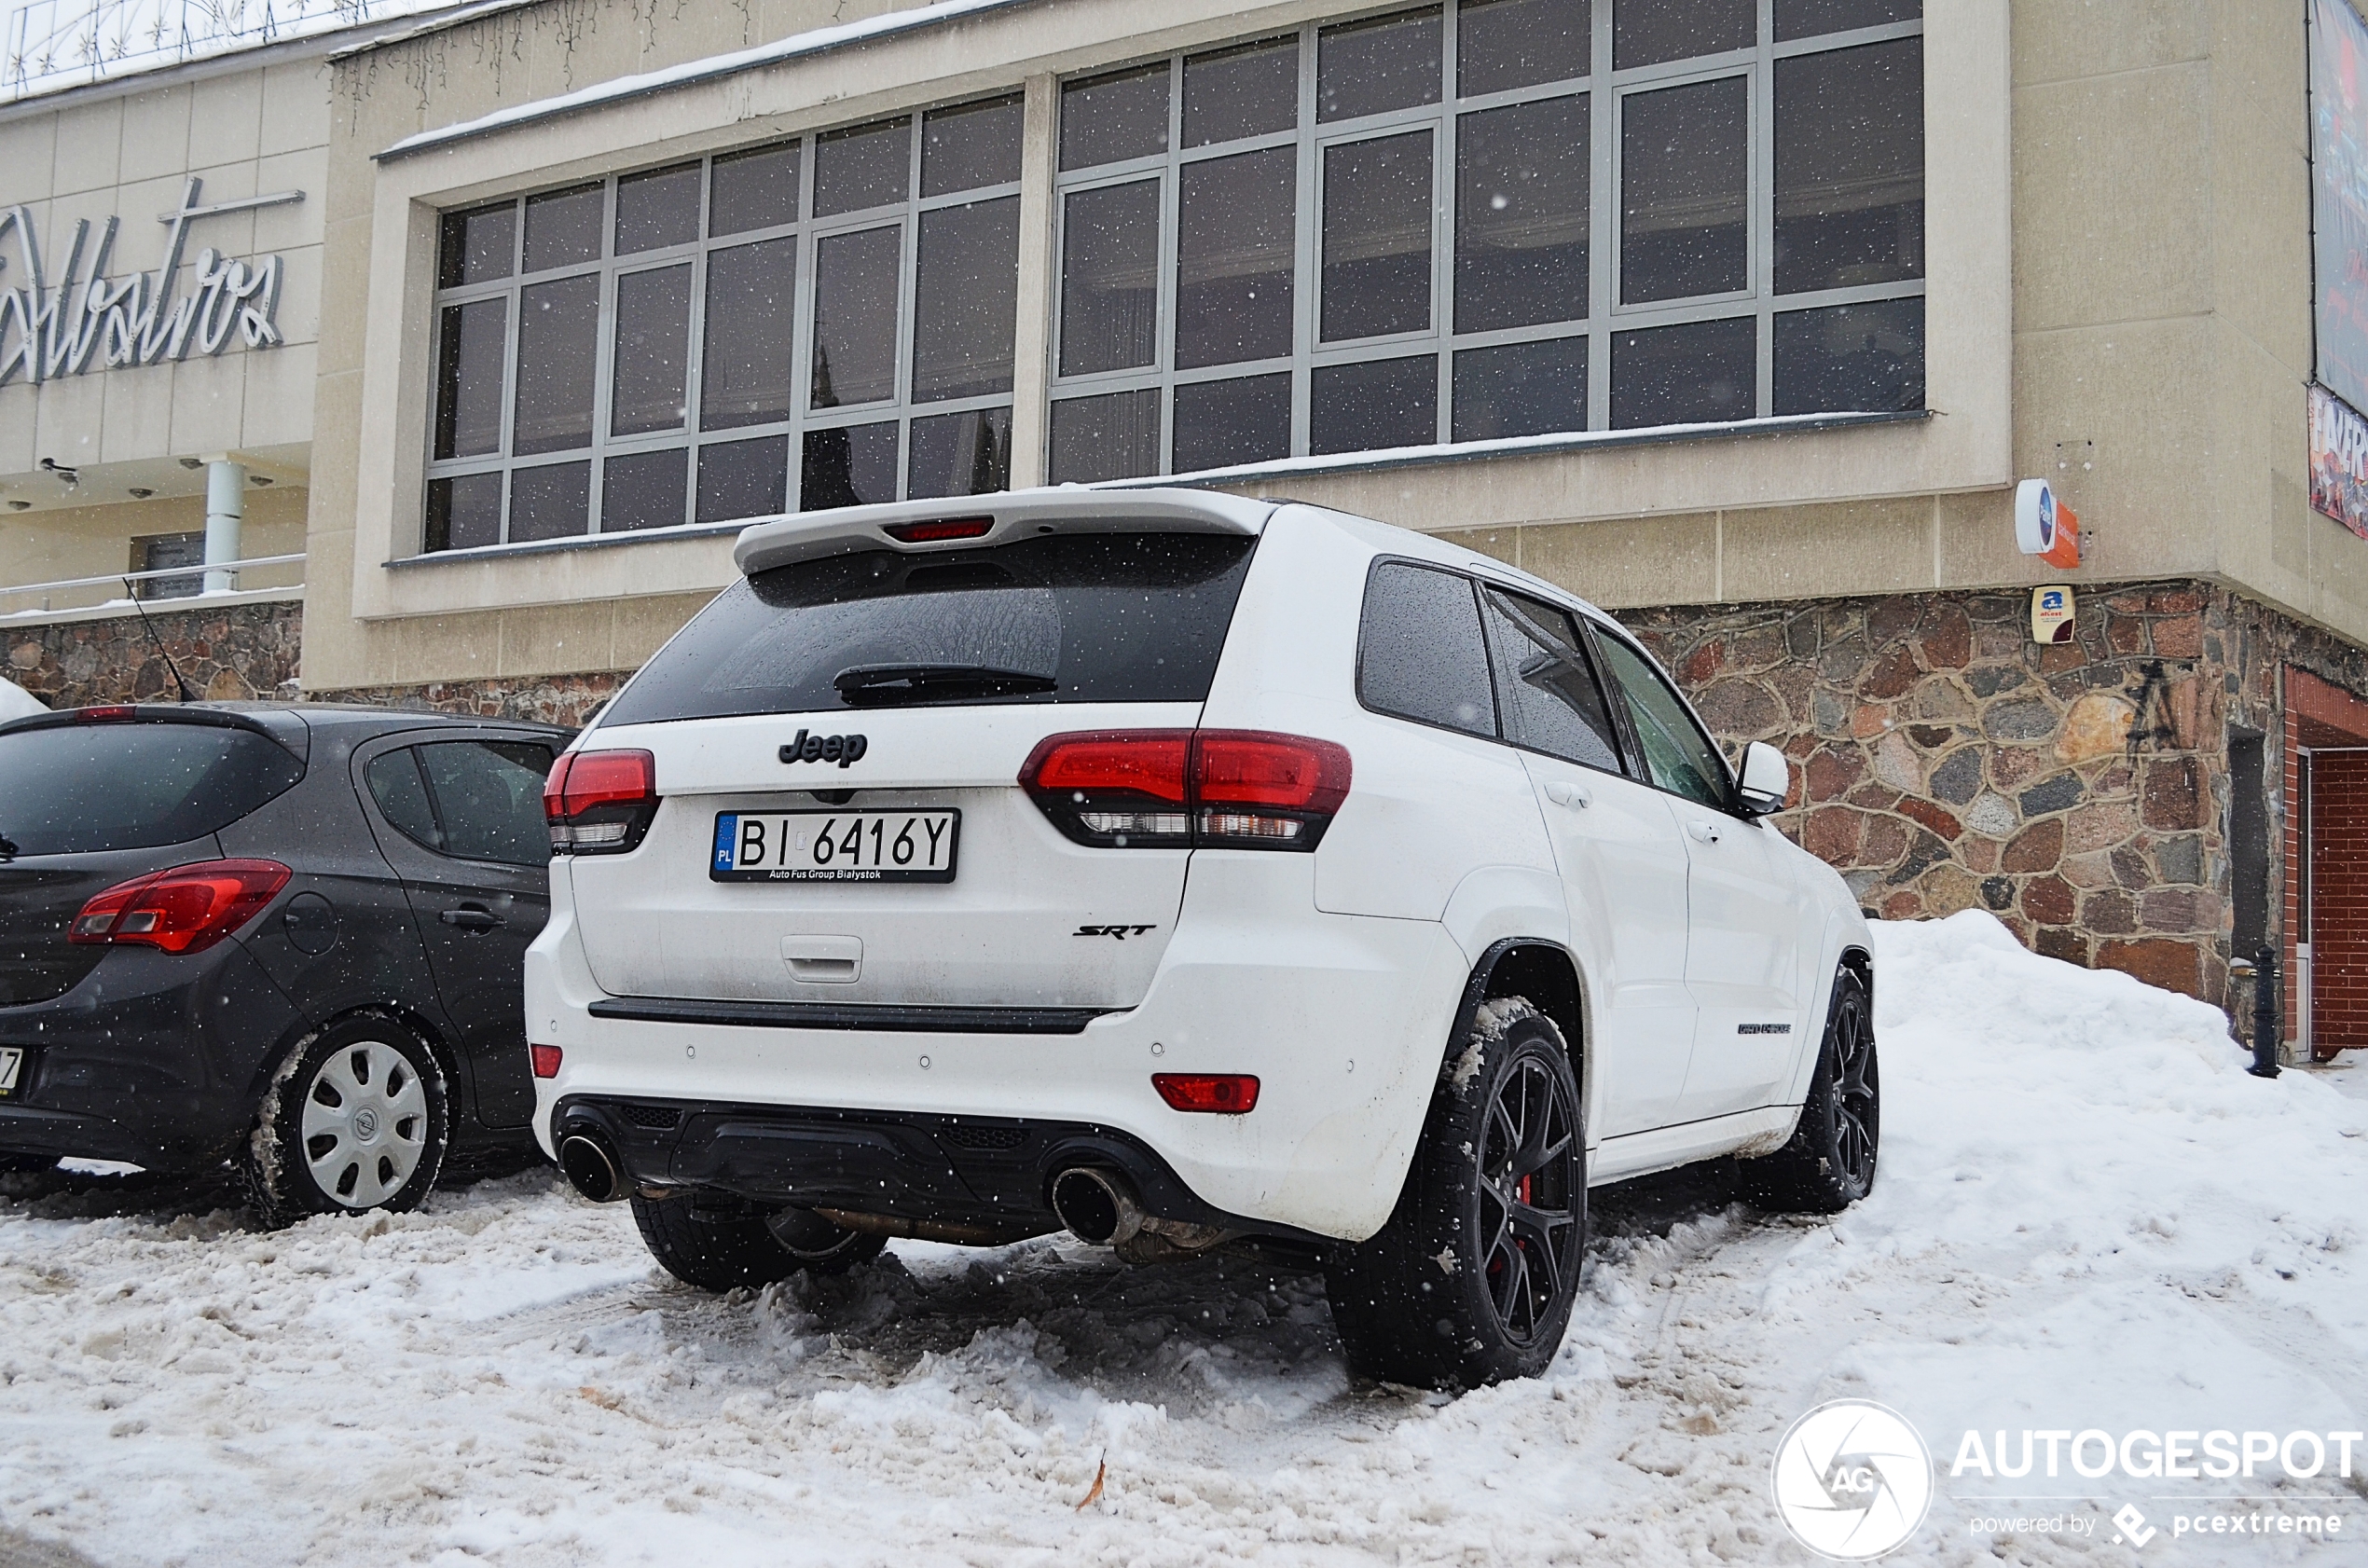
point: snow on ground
(2087, 1217)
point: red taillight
(1246, 789)
(546, 1060)
(185, 910)
(106, 713)
(944, 528)
(600, 802)
(1224, 1093)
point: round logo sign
(1851, 1480)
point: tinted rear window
(81, 787)
(1117, 617)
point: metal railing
(48, 593)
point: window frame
(806, 230)
(1631, 742)
(1605, 90)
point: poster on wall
(2338, 462)
(2339, 195)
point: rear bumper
(1344, 1018)
(153, 1059)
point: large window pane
(1683, 172)
(1107, 120)
(961, 454)
(659, 208)
(1700, 373)
(1504, 44)
(1851, 358)
(1550, 701)
(1647, 31)
(976, 145)
(1112, 437)
(744, 373)
(1109, 278)
(868, 166)
(471, 341)
(465, 513)
(1806, 18)
(1420, 651)
(753, 190)
(644, 490)
(1222, 423)
(552, 502)
(1236, 222)
(563, 228)
(1520, 389)
(1374, 406)
(653, 351)
(848, 465)
(476, 246)
(1520, 215)
(1377, 237)
(1850, 167)
(556, 361)
(1369, 67)
(966, 300)
(1249, 90)
(743, 479)
(855, 317)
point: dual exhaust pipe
(1100, 1206)
(592, 1167)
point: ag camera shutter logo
(1852, 1480)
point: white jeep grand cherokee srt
(1182, 871)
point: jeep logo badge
(843, 750)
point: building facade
(1745, 318)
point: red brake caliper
(1525, 1181)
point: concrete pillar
(225, 505)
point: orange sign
(2045, 527)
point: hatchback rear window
(81, 787)
(1115, 617)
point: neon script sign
(49, 330)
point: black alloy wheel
(1830, 1161)
(1528, 1173)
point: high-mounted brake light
(1224, 1093)
(1176, 788)
(106, 713)
(185, 910)
(940, 529)
(600, 802)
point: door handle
(472, 917)
(1706, 832)
(1562, 792)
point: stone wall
(250, 648)
(550, 699)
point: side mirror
(1767, 779)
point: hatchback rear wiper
(871, 685)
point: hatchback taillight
(599, 803)
(185, 910)
(1177, 788)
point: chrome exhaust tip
(591, 1168)
(1097, 1205)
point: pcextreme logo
(1852, 1480)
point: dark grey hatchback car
(288, 937)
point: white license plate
(835, 846)
(11, 1064)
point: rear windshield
(81, 787)
(1112, 617)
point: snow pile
(2087, 1217)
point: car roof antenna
(178, 679)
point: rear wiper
(869, 685)
(7, 848)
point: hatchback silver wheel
(364, 1124)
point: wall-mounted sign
(2045, 527)
(77, 322)
(2338, 462)
(2051, 613)
(2339, 196)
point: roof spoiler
(974, 522)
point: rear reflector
(1224, 1093)
(546, 1060)
(600, 802)
(185, 910)
(1177, 789)
(930, 533)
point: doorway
(2334, 895)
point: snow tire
(356, 1117)
(719, 1244)
(1472, 1279)
(1829, 1163)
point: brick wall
(2339, 901)
(247, 649)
